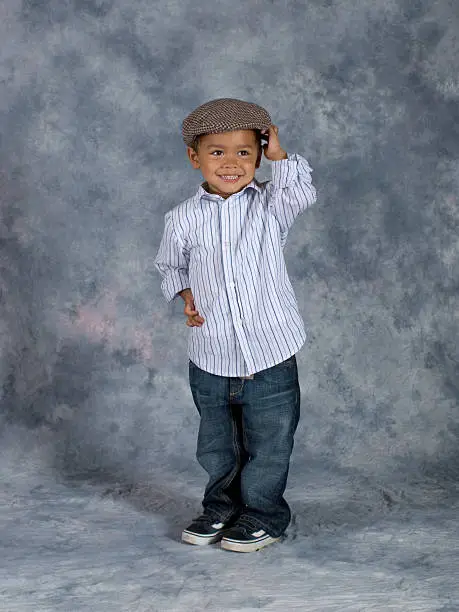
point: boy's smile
(227, 160)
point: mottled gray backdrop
(92, 97)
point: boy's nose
(230, 164)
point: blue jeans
(245, 441)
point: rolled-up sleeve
(172, 261)
(292, 190)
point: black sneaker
(204, 530)
(242, 538)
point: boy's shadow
(176, 508)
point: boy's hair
(196, 139)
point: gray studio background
(93, 360)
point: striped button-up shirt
(229, 252)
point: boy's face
(227, 154)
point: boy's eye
(219, 151)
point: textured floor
(350, 547)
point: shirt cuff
(174, 282)
(284, 171)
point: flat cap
(224, 115)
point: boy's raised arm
(292, 190)
(172, 261)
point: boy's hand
(273, 150)
(194, 319)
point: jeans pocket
(282, 372)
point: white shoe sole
(237, 546)
(200, 540)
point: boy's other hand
(194, 319)
(273, 150)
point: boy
(222, 252)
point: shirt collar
(202, 193)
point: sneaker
(204, 530)
(242, 538)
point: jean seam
(245, 439)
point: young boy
(222, 252)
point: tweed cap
(224, 115)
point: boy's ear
(193, 157)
